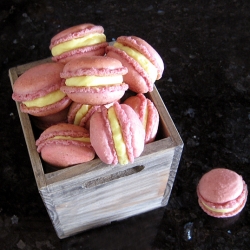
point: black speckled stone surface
(205, 86)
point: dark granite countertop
(205, 86)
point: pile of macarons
(80, 102)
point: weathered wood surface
(93, 194)
(90, 200)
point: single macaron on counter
(222, 193)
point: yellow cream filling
(120, 146)
(77, 43)
(220, 210)
(51, 98)
(60, 137)
(81, 113)
(141, 59)
(92, 81)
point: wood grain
(81, 206)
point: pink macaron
(80, 114)
(222, 193)
(38, 92)
(144, 64)
(147, 113)
(80, 40)
(64, 145)
(95, 80)
(117, 134)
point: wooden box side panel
(90, 203)
(97, 168)
(29, 138)
(173, 171)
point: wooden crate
(92, 194)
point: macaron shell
(63, 129)
(101, 137)
(95, 96)
(94, 50)
(75, 32)
(220, 185)
(140, 103)
(144, 48)
(238, 203)
(66, 155)
(136, 78)
(152, 122)
(94, 65)
(136, 133)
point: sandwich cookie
(95, 80)
(39, 94)
(80, 40)
(63, 145)
(144, 64)
(222, 193)
(117, 134)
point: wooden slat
(29, 138)
(97, 167)
(172, 175)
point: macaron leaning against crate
(38, 92)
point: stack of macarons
(115, 134)
(83, 88)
